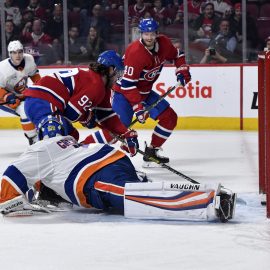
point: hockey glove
(183, 75)
(90, 120)
(11, 100)
(131, 142)
(140, 112)
(19, 206)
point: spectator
(267, 44)
(179, 18)
(221, 7)
(77, 51)
(37, 9)
(40, 42)
(12, 13)
(222, 47)
(94, 44)
(37, 36)
(205, 25)
(160, 14)
(252, 32)
(74, 16)
(116, 18)
(136, 12)
(173, 9)
(54, 25)
(10, 32)
(97, 20)
(27, 16)
(194, 9)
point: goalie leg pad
(169, 201)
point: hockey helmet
(148, 25)
(111, 58)
(50, 127)
(14, 46)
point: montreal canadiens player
(14, 73)
(102, 177)
(143, 60)
(104, 117)
(59, 99)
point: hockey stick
(157, 161)
(149, 108)
(167, 167)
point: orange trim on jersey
(28, 127)
(8, 192)
(109, 188)
(35, 77)
(3, 92)
(90, 170)
(159, 202)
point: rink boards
(218, 97)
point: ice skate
(152, 159)
(51, 200)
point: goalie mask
(50, 127)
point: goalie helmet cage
(264, 125)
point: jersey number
(129, 70)
(85, 102)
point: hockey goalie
(103, 177)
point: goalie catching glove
(19, 206)
(131, 142)
(183, 75)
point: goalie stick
(149, 108)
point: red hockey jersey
(142, 67)
(73, 92)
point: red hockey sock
(167, 122)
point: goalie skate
(59, 207)
(225, 204)
(51, 200)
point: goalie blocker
(178, 201)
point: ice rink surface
(83, 239)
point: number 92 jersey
(72, 92)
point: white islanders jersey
(62, 165)
(14, 80)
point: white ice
(81, 239)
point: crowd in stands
(93, 26)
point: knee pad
(50, 127)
